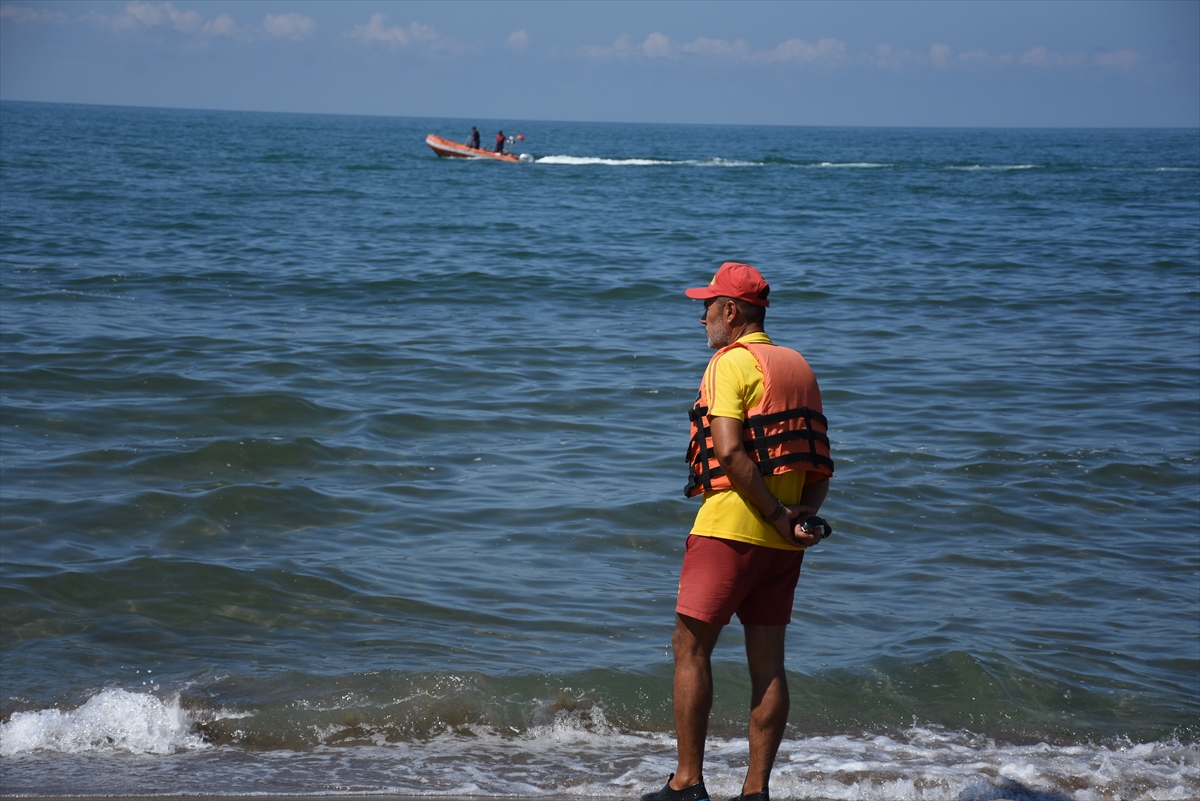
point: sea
(331, 466)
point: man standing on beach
(759, 453)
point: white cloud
(622, 48)
(943, 57)
(718, 47)
(374, 31)
(939, 54)
(1037, 57)
(153, 14)
(221, 26)
(798, 51)
(1121, 59)
(833, 52)
(1042, 57)
(657, 46)
(890, 59)
(187, 21)
(975, 57)
(289, 26)
(517, 40)
(149, 14)
(22, 14)
(138, 15)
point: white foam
(580, 753)
(868, 165)
(586, 160)
(112, 720)
(584, 756)
(582, 160)
(999, 167)
(933, 764)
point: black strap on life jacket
(702, 472)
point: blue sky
(947, 63)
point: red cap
(735, 280)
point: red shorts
(721, 577)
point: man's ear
(733, 315)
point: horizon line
(620, 122)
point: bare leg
(769, 702)
(693, 644)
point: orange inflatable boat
(445, 148)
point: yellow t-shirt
(734, 385)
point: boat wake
(587, 160)
(713, 162)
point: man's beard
(719, 335)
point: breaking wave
(573, 752)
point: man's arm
(743, 474)
(811, 497)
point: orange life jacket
(784, 432)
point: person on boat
(474, 140)
(500, 142)
(760, 456)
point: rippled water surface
(328, 464)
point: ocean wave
(113, 721)
(575, 751)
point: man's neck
(737, 333)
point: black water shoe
(694, 793)
(761, 795)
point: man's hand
(811, 499)
(789, 527)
